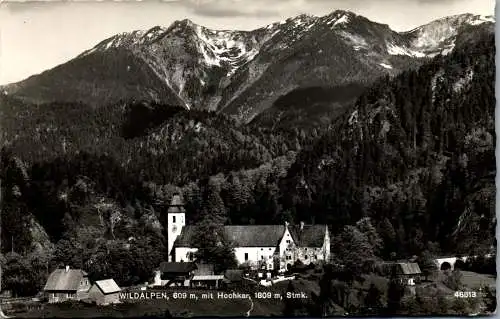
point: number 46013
(465, 294)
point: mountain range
(244, 73)
(345, 118)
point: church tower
(176, 220)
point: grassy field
(227, 307)
(475, 281)
(178, 308)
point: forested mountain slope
(417, 154)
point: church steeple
(175, 222)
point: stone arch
(445, 266)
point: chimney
(67, 268)
(301, 225)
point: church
(276, 247)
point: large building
(275, 246)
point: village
(269, 257)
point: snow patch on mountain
(357, 41)
(387, 66)
(233, 48)
(402, 50)
(439, 36)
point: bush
(454, 280)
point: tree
(454, 280)
(395, 293)
(373, 300)
(68, 253)
(325, 303)
(213, 246)
(19, 276)
(354, 250)
(427, 264)
(365, 226)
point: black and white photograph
(247, 158)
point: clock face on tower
(174, 228)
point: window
(270, 248)
(305, 257)
(246, 256)
(315, 256)
(305, 249)
(288, 257)
(261, 257)
(288, 241)
(262, 249)
(173, 219)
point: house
(67, 284)
(206, 281)
(408, 272)
(105, 292)
(178, 273)
(274, 247)
(204, 277)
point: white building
(278, 246)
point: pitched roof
(177, 267)
(64, 280)
(176, 205)
(241, 236)
(208, 277)
(403, 268)
(107, 286)
(408, 268)
(308, 236)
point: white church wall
(182, 253)
(253, 255)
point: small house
(408, 272)
(105, 292)
(175, 273)
(67, 284)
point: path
(2, 315)
(251, 307)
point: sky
(39, 35)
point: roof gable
(308, 235)
(255, 235)
(260, 235)
(408, 268)
(107, 286)
(64, 280)
(402, 268)
(241, 236)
